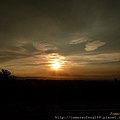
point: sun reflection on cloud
(56, 65)
(56, 61)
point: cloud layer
(77, 33)
(90, 46)
(78, 41)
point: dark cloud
(40, 64)
(30, 48)
(8, 56)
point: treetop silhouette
(6, 75)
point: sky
(83, 36)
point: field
(50, 98)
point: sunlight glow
(56, 65)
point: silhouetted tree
(6, 75)
(7, 85)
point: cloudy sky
(83, 36)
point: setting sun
(56, 65)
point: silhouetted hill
(55, 95)
(61, 91)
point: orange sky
(83, 36)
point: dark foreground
(59, 99)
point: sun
(56, 65)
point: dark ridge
(41, 98)
(57, 96)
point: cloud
(33, 63)
(90, 46)
(95, 58)
(23, 48)
(78, 41)
(44, 46)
